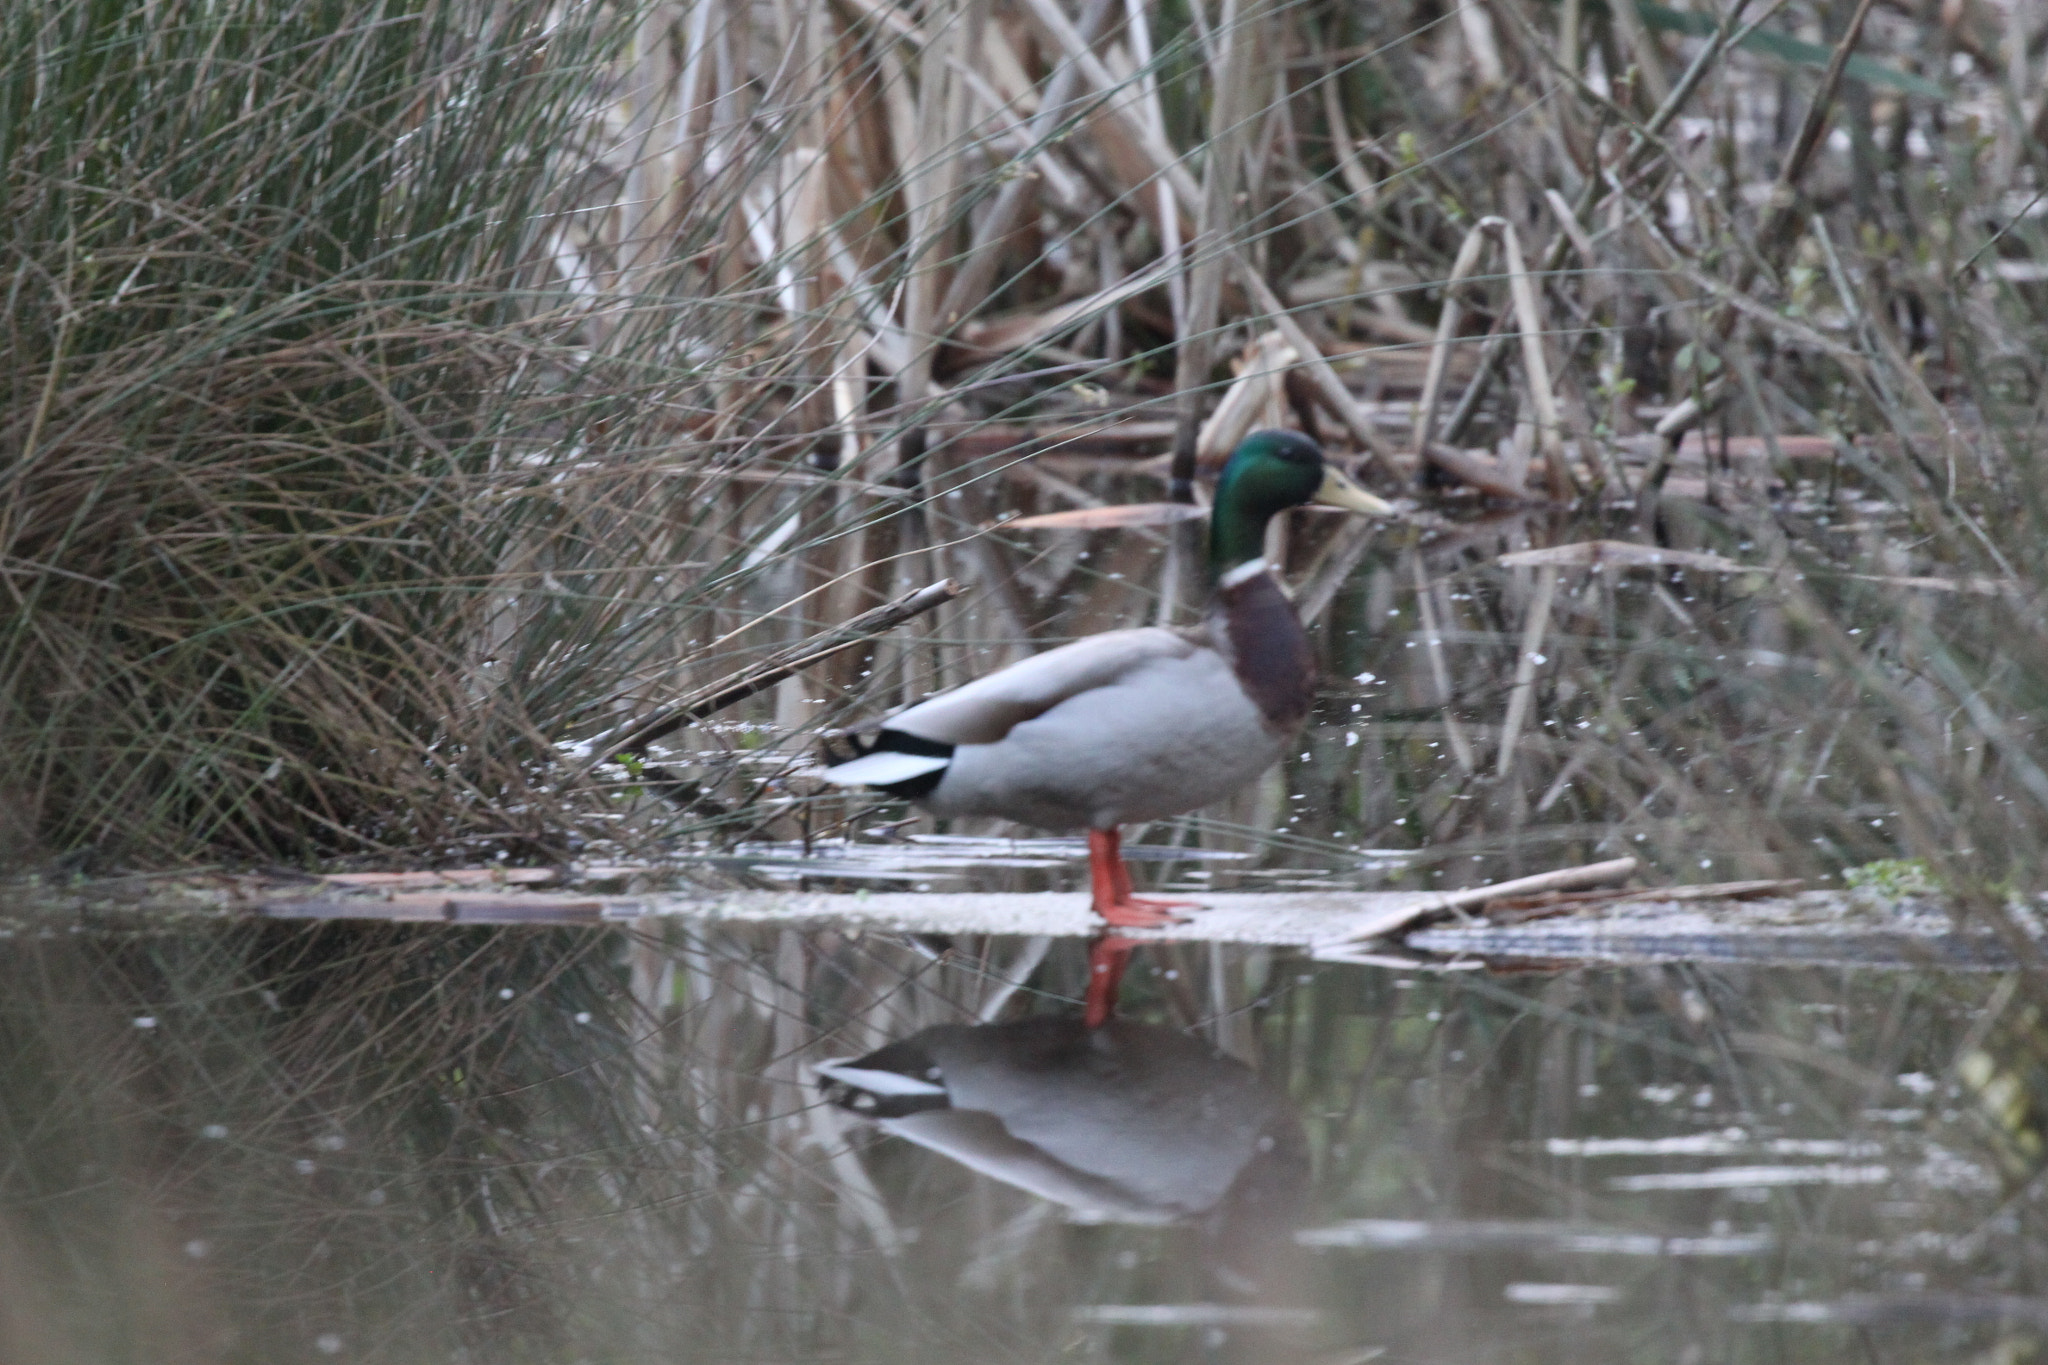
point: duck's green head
(1269, 472)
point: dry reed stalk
(1168, 211)
(1361, 185)
(1536, 368)
(738, 687)
(1255, 399)
(1504, 480)
(1466, 263)
(1783, 206)
(932, 168)
(648, 208)
(1231, 66)
(1327, 387)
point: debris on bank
(1809, 928)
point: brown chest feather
(1268, 649)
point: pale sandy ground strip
(1290, 918)
(1306, 919)
(1293, 918)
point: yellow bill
(1339, 490)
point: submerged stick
(737, 687)
(1324, 921)
(1433, 643)
(1526, 660)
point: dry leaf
(1103, 518)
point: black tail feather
(895, 741)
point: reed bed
(401, 397)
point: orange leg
(1110, 882)
(1107, 958)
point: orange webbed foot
(1110, 882)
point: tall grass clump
(282, 381)
(398, 391)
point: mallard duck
(1133, 724)
(1129, 1121)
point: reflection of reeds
(539, 1144)
(560, 1144)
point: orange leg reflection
(1107, 958)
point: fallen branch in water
(634, 737)
(1564, 879)
(1398, 917)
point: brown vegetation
(394, 404)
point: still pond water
(401, 1143)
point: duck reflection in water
(1117, 1120)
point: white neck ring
(1243, 573)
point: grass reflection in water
(400, 1144)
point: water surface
(414, 1143)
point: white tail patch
(878, 1082)
(883, 769)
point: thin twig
(1785, 192)
(635, 737)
